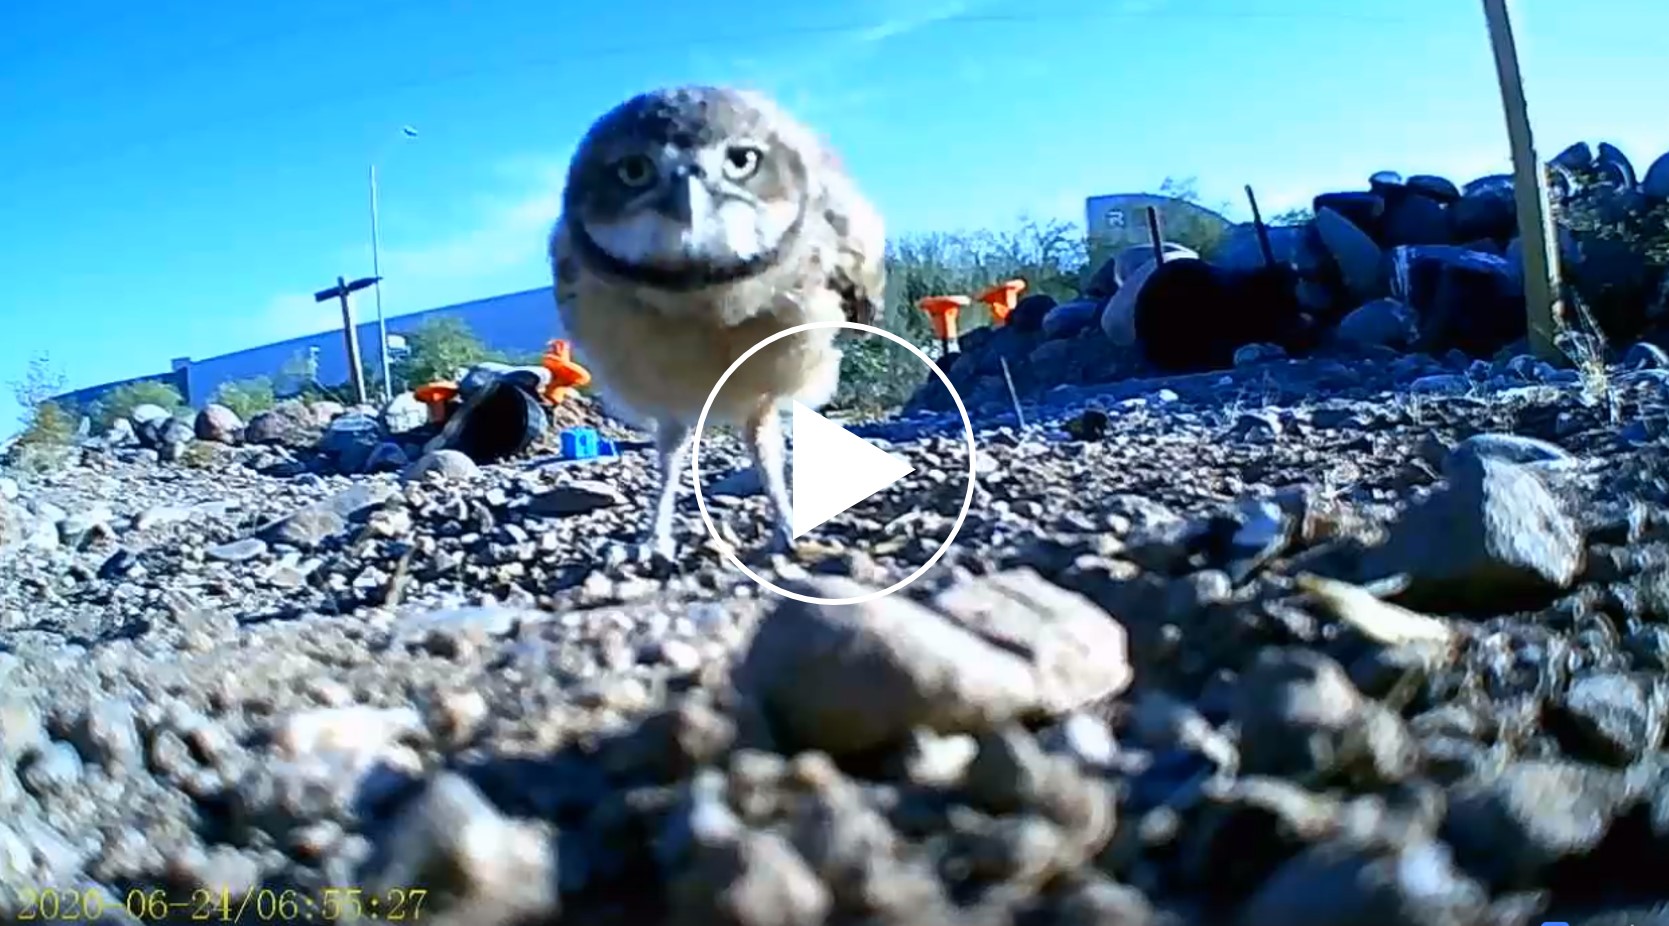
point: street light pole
(376, 272)
(406, 131)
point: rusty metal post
(1156, 235)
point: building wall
(1121, 219)
(517, 323)
(82, 398)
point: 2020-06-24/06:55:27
(256, 905)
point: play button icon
(833, 469)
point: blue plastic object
(579, 443)
(607, 448)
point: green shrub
(1297, 215)
(49, 425)
(877, 374)
(298, 374)
(122, 400)
(247, 396)
(1624, 277)
(439, 348)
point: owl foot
(655, 552)
(780, 541)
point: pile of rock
(1360, 660)
(319, 436)
(1411, 264)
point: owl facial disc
(690, 208)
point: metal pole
(1535, 216)
(350, 332)
(376, 271)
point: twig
(396, 588)
(1013, 396)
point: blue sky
(178, 176)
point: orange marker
(943, 312)
(436, 395)
(566, 375)
(1001, 299)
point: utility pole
(1537, 238)
(406, 131)
(350, 331)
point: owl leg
(765, 442)
(672, 443)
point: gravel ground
(1303, 644)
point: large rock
(1343, 883)
(1295, 245)
(442, 465)
(1069, 318)
(290, 423)
(1576, 157)
(1380, 323)
(1030, 311)
(175, 436)
(1494, 539)
(1655, 185)
(351, 439)
(1358, 257)
(1441, 189)
(147, 413)
(218, 424)
(1365, 210)
(1509, 829)
(1466, 299)
(477, 866)
(850, 678)
(1615, 166)
(1411, 218)
(1118, 319)
(1486, 209)
(404, 414)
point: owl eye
(741, 162)
(635, 170)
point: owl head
(687, 187)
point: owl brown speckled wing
(858, 272)
(564, 268)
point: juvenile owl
(698, 221)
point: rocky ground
(1305, 643)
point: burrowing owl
(696, 222)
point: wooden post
(1539, 242)
(350, 332)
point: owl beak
(682, 193)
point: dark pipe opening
(504, 421)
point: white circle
(967, 428)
